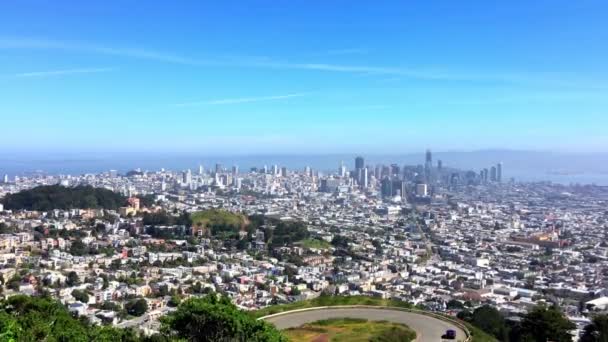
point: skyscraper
(395, 170)
(499, 172)
(363, 181)
(493, 174)
(200, 170)
(235, 170)
(5, 180)
(342, 170)
(359, 163)
(439, 165)
(187, 177)
(422, 190)
(218, 168)
(386, 187)
(428, 165)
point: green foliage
(78, 248)
(147, 200)
(394, 334)
(351, 329)
(5, 229)
(49, 197)
(488, 319)
(325, 300)
(597, 331)
(25, 318)
(340, 241)
(213, 319)
(72, 279)
(80, 296)
(455, 305)
(286, 233)
(110, 334)
(220, 223)
(162, 218)
(315, 243)
(137, 307)
(546, 323)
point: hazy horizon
(302, 76)
(521, 165)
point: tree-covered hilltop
(49, 197)
(24, 318)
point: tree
(137, 307)
(216, 319)
(455, 305)
(78, 248)
(546, 323)
(490, 320)
(72, 279)
(597, 331)
(80, 296)
(24, 318)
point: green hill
(51, 197)
(219, 222)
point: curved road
(427, 328)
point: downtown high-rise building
(359, 163)
(428, 166)
(364, 180)
(187, 177)
(499, 172)
(342, 170)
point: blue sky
(228, 77)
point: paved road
(427, 328)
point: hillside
(218, 222)
(51, 197)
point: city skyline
(368, 80)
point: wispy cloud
(238, 100)
(136, 53)
(422, 73)
(62, 72)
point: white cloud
(62, 72)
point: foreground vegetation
(210, 318)
(350, 329)
(542, 323)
